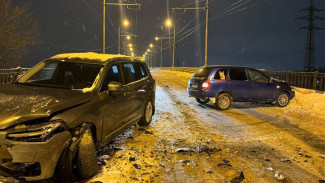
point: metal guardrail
(10, 75)
(309, 80)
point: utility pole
(309, 65)
(114, 4)
(174, 46)
(104, 2)
(161, 49)
(206, 8)
(206, 33)
(128, 36)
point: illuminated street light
(130, 45)
(131, 49)
(125, 24)
(169, 24)
(148, 50)
(128, 37)
(151, 45)
(156, 38)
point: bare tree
(18, 29)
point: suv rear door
(262, 89)
(133, 81)
(240, 86)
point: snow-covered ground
(190, 142)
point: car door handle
(142, 90)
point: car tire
(147, 114)
(283, 99)
(223, 101)
(203, 101)
(86, 156)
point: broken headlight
(35, 133)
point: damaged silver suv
(55, 116)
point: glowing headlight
(35, 133)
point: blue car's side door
(240, 86)
(263, 90)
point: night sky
(260, 33)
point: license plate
(194, 85)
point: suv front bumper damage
(31, 160)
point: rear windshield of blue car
(203, 72)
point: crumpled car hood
(20, 103)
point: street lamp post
(125, 23)
(113, 4)
(104, 3)
(206, 33)
(169, 24)
(206, 8)
(154, 51)
(161, 50)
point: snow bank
(310, 102)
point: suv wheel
(223, 101)
(147, 115)
(203, 101)
(86, 156)
(282, 100)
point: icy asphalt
(190, 142)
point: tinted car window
(143, 70)
(113, 74)
(129, 73)
(258, 77)
(221, 74)
(45, 73)
(237, 74)
(203, 72)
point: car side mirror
(114, 86)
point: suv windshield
(59, 74)
(203, 72)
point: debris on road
(132, 159)
(238, 179)
(137, 166)
(184, 150)
(270, 168)
(148, 132)
(278, 176)
(116, 148)
(285, 160)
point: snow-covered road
(190, 142)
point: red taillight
(206, 85)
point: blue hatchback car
(226, 84)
